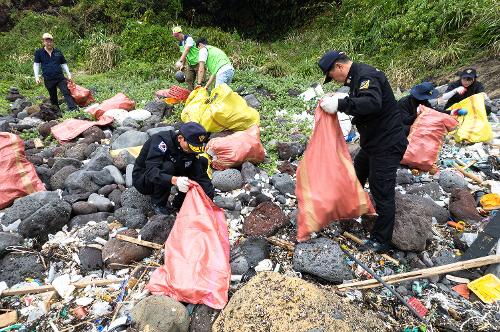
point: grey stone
(227, 180)
(290, 150)
(19, 105)
(248, 254)
(281, 199)
(202, 318)
(83, 208)
(244, 198)
(8, 240)
(29, 122)
(283, 183)
(156, 107)
(48, 219)
(133, 199)
(80, 182)
(130, 138)
(59, 163)
(129, 122)
(116, 174)
(227, 203)
(426, 259)
(128, 175)
(22, 115)
(449, 180)
(117, 254)
(161, 314)
(402, 290)
(44, 128)
(261, 198)
(57, 181)
(252, 101)
(115, 196)
(444, 257)
(99, 159)
(323, 258)
(404, 176)
(157, 229)
(102, 203)
(90, 259)
(123, 159)
(248, 171)
(92, 231)
(15, 268)
(25, 206)
(82, 220)
(107, 189)
(44, 174)
(157, 130)
(5, 122)
(93, 135)
(73, 198)
(102, 177)
(431, 189)
(77, 151)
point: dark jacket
(408, 107)
(372, 104)
(161, 148)
(51, 64)
(474, 88)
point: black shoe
(375, 246)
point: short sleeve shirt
(51, 64)
(189, 41)
(203, 55)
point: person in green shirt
(217, 63)
(188, 62)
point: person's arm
(36, 70)
(368, 101)
(184, 54)
(66, 70)
(201, 72)
(154, 162)
(210, 81)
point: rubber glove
(183, 184)
(461, 90)
(329, 104)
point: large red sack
(426, 138)
(18, 177)
(327, 186)
(196, 268)
(82, 96)
(235, 149)
(119, 100)
(71, 128)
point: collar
(351, 75)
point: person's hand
(70, 77)
(329, 104)
(183, 184)
(37, 80)
(179, 65)
(461, 90)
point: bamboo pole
(356, 239)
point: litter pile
(79, 243)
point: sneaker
(375, 246)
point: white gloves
(461, 90)
(179, 65)
(183, 184)
(329, 104)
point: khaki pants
(190, 72)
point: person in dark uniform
(383, 143)
(465, 87)
(53, 62)
(419, 95)
(170, 158)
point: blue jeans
(225, 77)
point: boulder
(129, 180)
(100, 158)
(130, 138)
(130, 217)
(102, 203)
(322, 258)
(83, 208)
(273, 302)
(93, 135)
(131, 198)
(290, 150)
(123, 159)
(139, 114)
(90, 259)
(57, 181)
(463, 206)
(430, 189)
(50, 218)
(265, 220)
(44, 174)
(202, 318)
(156, 107)
(82, 181)
(107, 189)
(284, 183)
(227, 203)
(44, 128)
(92, 230)
(227, 180)
(248, 171)
(157, 130)
(404, 176)
(252, 101)
(248, 254)
(25, 206)
(15, 268)
(160, 314)
(77, 151)
(117, 254)
(157, 229)
(450, 179)
(60, 163)
(8, 240)
(116, 174)
(287, 167)
(115, 196)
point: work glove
(183, 184)
(329, 104)
(179, 65)
(461, 90)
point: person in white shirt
(216, 61)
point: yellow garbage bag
(133, 150)
(474, 127)
(490, 201)
(223, 110)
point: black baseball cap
(469, 72)
(195, 135)
(424, 91)
(326, 62)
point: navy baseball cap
(326, 62)
(195, 135)
(424, 91)
(469, 72)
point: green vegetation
(126, 46)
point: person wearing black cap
(383, 143)
(465, 87)
(419, 95)
(168, 159)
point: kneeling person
(170, 158)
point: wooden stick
(359, 241)
(48, 288)
(139, 242)
(467, 174)
(424, 273)
(287, 245)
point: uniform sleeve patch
(162, 146)
(364, 84)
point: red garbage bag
(196, 268)
(426, 138)
(119, 100)
(71, 128)
(327, 186)
(18, 177)
(82, 96)
(235, 149)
